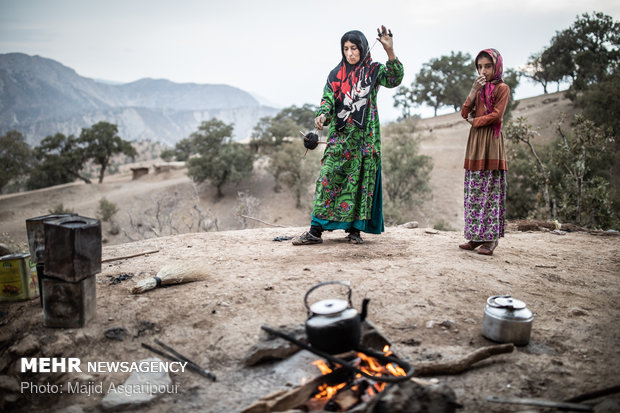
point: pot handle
(321, 284)
(491, 301)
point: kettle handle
(491, 301)
(321, 284)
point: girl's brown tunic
(485, 151)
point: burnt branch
(460, 365)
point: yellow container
(18, 278)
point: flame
(327, 392)
(322, 366)
(395, 370)
(368, 365)
(386, 350)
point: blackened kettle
(333, 325)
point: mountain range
(41, 97)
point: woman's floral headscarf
(486, 94)
(352, 84)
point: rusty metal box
(36, 234)
(72, 248)
(69, 304)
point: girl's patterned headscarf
(486, 94)
(352, 84)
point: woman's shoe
(487, 249)
(355, 238)
(471, 245)
(307, 239)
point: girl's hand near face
(475, 88)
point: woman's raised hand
(385, 37)
(319, 121)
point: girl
(485, 159)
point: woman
(485, 158)
(348, 189)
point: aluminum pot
(507, 320)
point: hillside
(443, 138)
(40, 97)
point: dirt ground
(427, 297)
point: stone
(275, 348)
(447, 324)
(412, 397)
(81, 338)
(9, 384)
(117, 398)
(70, 409)
(58, 348)
(5, 250)
(27, 346)
(409, 225)
(116, 333)
(577, 312)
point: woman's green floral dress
(348, 189)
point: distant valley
(40, 97)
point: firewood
(460, 365)
(129, 256)
(284, 400)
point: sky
(278, 50)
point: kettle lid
(329, 307)
(505, 301)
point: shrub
(60, 209)
(106, 210)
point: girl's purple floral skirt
(485, 205)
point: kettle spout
(364, 312)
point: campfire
(355, 381)
(344, 389)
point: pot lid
(329, 307)
(505, 301)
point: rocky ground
(427, 297)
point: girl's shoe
(471, 245)
(488, 248)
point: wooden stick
(542, 403)
(460, 365)
(266, 223)
(129, 256)
(594, 394)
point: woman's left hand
(470, 119)
(386, 39)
